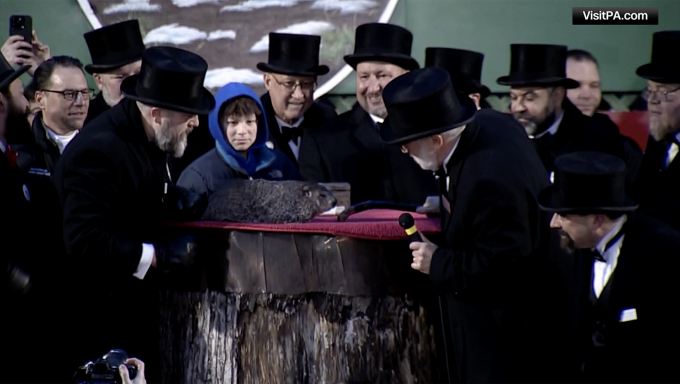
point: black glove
(18, 281)
(176, 255)
(182, 204)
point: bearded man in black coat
(538, 84)
(112, 182)
(658, 183)
(506, 307)
(625, 273)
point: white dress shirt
(602, 271)
(448, 158)
(672, 151)
(295, 147)
(377, 120)
(552, 129)
(145, 261)
(60, 140)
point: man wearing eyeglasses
(290, 79)
(349, 149)
(658, 183)
(62, 93)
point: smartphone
(21, 25)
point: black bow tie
(596, 253)
(291, 133)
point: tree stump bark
(345, 311)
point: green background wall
(487, 26)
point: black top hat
(665, 65)
(113, 46)
(171, 78)
(9, 74)
(538, 65)
(464, 67)
(587, 182)
(291, 54)
(423, 103)
(383, 42)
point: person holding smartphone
(23, 46)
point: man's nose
(80, 99)
(297, 92)
(554, 222)
(517, 106)
(193, 121)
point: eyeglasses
(71, 95)
(660, 94)
(291, 85)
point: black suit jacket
(110, 182)
(645, 279)
(507, 306)
(578, 132)
(658, 189)
(318, 114)
(349, 149)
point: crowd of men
(559, 237)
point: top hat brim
(469, 110)
(403, 61)
(319, 70)
(9, 79)
(103, 68)
(565, 82)
(127, 88)
(547, 203)
(483, 90)
(654, 73)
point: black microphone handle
(416, 237)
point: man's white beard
(657, 128)
(174, 146)
(428, 163)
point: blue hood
(259, 156)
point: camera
(105, 369)
(18, 22)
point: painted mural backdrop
(232, 35)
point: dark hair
(42, 74)
(239, 107)
(29, 91)
(581, 55)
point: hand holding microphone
(422, 248)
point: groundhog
(263, 201)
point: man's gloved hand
(177, 255)
(18, 281)
(182, 204)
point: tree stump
(346, 311)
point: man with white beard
(112, 184)
(492, 266)
(348, 148)
(658, 183)
(538, 85)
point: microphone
(406, 221)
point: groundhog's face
(322, 197)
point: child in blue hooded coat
(240, 147)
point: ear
(558, 95)
(476, 97)
(267, 81)
(156, 114)
(437, 141)
(40, 99)
(98, 80)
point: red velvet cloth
(632, 124)
(378, 224)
